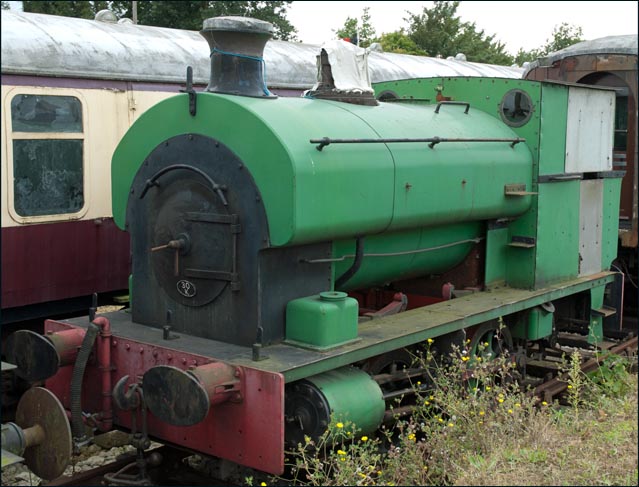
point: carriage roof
(49, 45)
(623, 44)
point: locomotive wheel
(490, 341)
(393, 362)
(390, 362)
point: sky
(517, 24)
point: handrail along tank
(232, 211)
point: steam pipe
(357, 263)
(77, 423)
(104, 365)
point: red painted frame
(250, 432)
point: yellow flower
(343, 459)
(307, 439)
(440, 420)
(481, 422)
(263, 484)
(485, 344)
(500, 395)
(431, 397)
(340, 425)
(544, 403)
(425, 467)
(348, 433)
(488, 388)
(465, 359)
(569, 387)
(478, 359)
(481, 413)
(411, 437)
(419, 383)
(500, 400)
(517, 405)
(510, 411)
(364, 438)
(450, 425)
(341, 452)
(361, 475)
(430, 340)
(426, 403)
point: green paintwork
(557, 250)
(595, 332)
(353, 396)
(308, 195)
(610, 221)
(452, 182)
(555, 254)
(554, 112)
(346, 189)
(496, 256)
(520, 262)
(322, 321)
(415, 326)
(538, 325)
(483, 94)
(515, 266)
(384, 269)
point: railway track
(557, 383)
(164, 466)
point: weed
(475, 423)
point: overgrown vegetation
(473, 425)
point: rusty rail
(91, 477)
(551, 388)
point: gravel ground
(90, 457)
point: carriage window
(36, 113)
(47, 177)
(621, 123)
(48, 151)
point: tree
(361, 32)
(563, 35)
(174, 14)
(399, 42)
(440, 32)
(81, 9)
(5, 5)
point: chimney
(237, 49)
